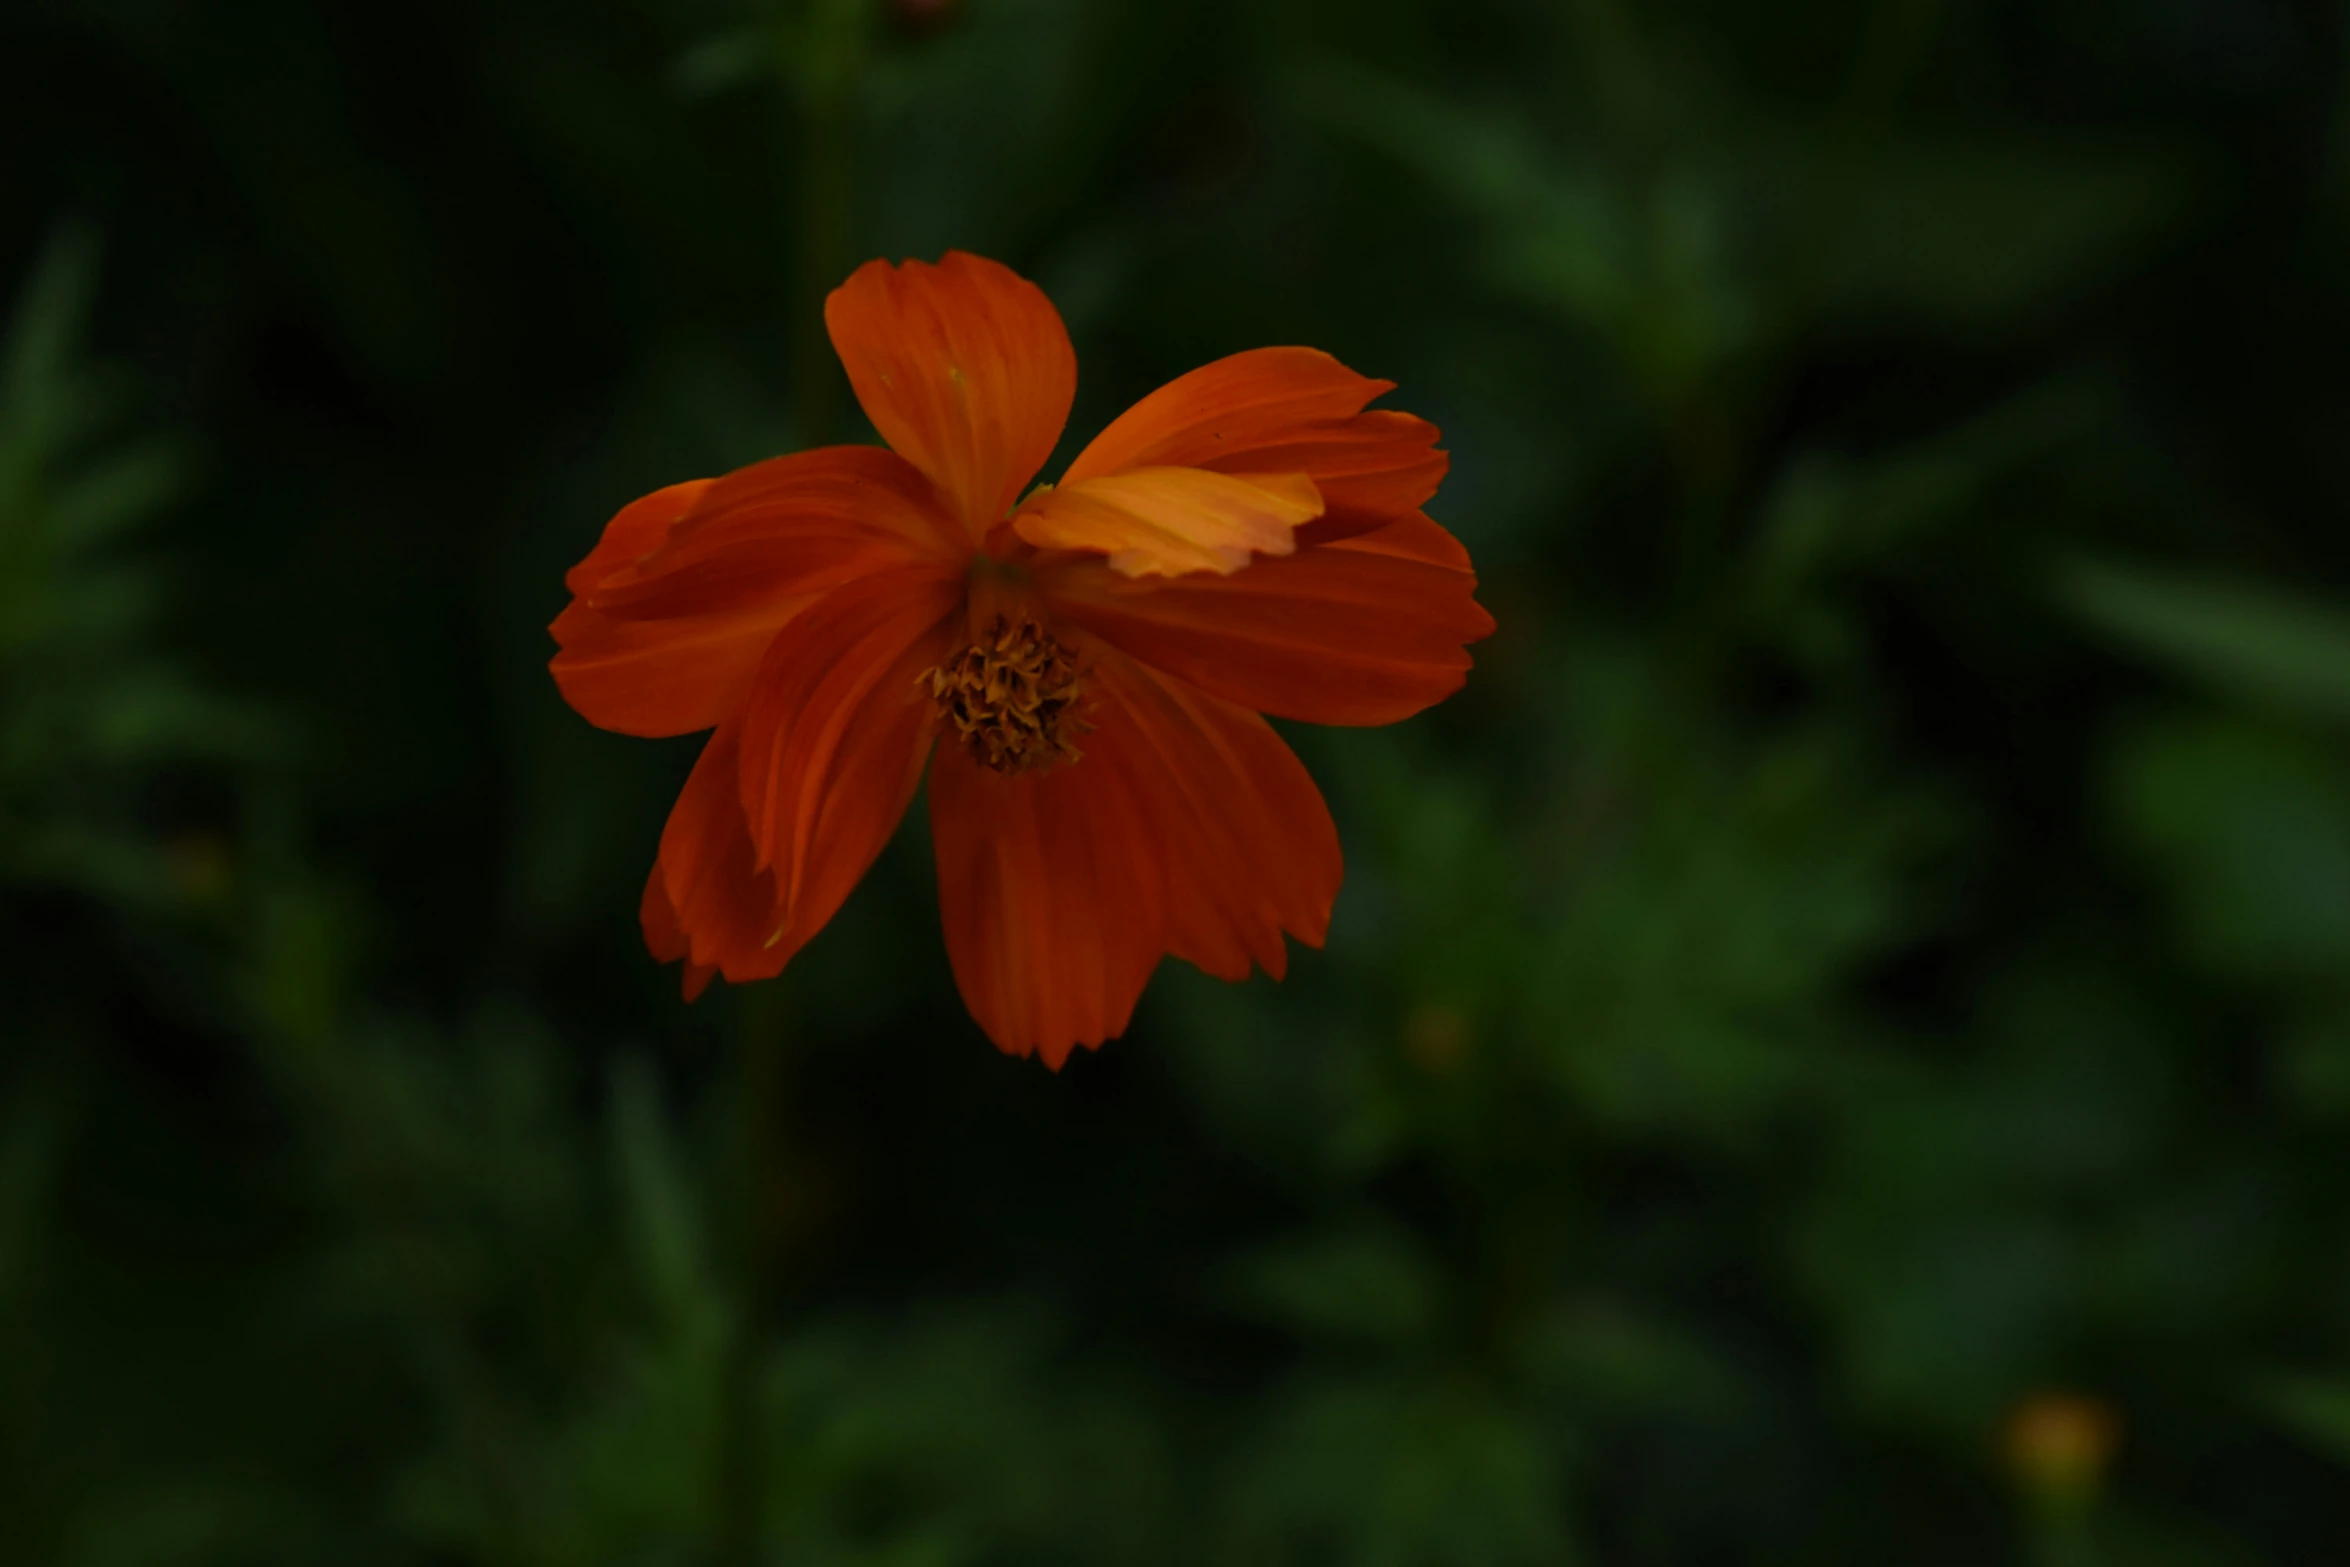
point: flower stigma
(1011, 697)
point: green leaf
(32, 1140)
(1366, 1281)
(2255, 640)
(1971, 229)
(665, 1223)
(2315, 1408)
(1399, 1472)
(2250, 829)
(724, 61)
(1828, 511)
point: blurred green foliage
(1866, 960)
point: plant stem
(821, 48)
(741, 1456)
(827, 53)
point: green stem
(821, 44)
(2060, 1535)
(824, 200)
(1892, 50)
(828, 49)
(741, 1456)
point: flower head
(1082, 673)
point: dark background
(1834, 1048)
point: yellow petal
(1169, 521)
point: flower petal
(678, 601)
(768, 518)
(639, 529)
(668, 677)
(1169, 521)
(1236, 403)
(1367, 630)
(835, 747)
(1049, 892)
(1371, 469)
(964, 367)
(1248, 849)
(1419, 537)
(835, 737)
(1281, 410)
(665, 938)
(709, 902)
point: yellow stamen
(1012, 698)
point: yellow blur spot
(2058, 1445)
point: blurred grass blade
(2315, 1408)
(1969, 231)
(49, 315)
(723, 62)
(32, 1138)
(2255, 641)
(663, 1220)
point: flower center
(1012, 697)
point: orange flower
(1082, 671)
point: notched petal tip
(635, 531)
(1050, 896)
(1227, 408)
(1052, 1054)
(707, 903)
(1248, 848)
(1057, 1056)
(1276, 411)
